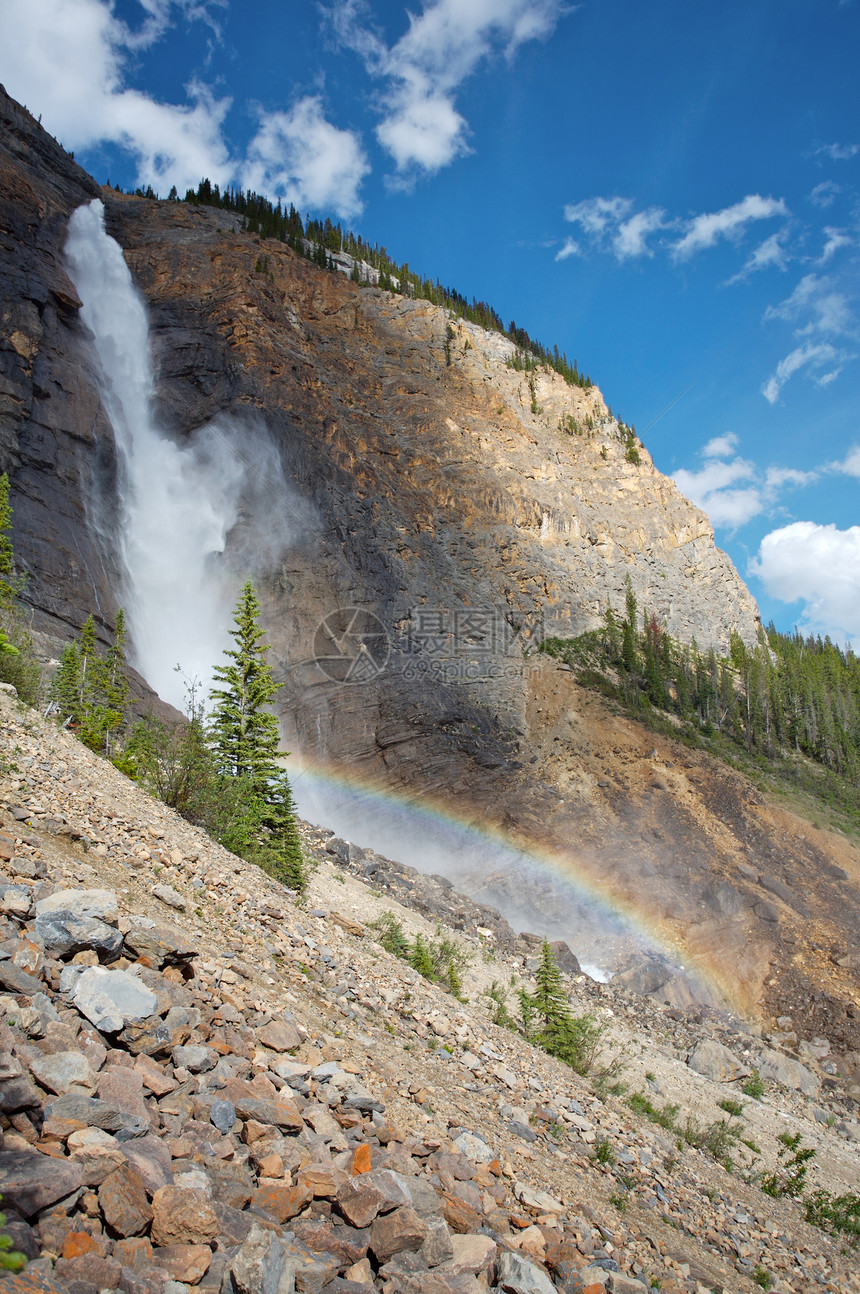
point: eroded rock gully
(426, 489)
(206, 1085)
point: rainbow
(417, 830)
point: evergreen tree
(8, 586)
(90, 693)
(245, 737)
(550, 1004)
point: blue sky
(671, 192)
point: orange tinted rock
(361, 1160)
(282, 1202)
(77, 1243)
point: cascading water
(177, 503)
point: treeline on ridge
(260, 216)
(788, 697)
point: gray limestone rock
(782, 1069)
(713, 1060)
(64, 933)
(30, 1182)
(101, 904)
(63, 1071)
(111, 999)
(516, 1275)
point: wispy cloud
(836, 240)
(610, 224)
(421, 128)
(732, 490)
(836, 152)
(769, 254)
(825, 194)
(849, 465)
(823, 361)
(710, 227)
(822, 316)
(820, 302)
(72, 64)
(820, 566)
(614, 225)
(300, 157)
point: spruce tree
(245, 738)
(8, 587)
(550, 1002)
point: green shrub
(754, 1086)
(603, 1152)
(789, 1177)
(10, 1259)
(838, 1214)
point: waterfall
(177, 501)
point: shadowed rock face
(431, 494)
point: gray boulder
(101, 904)
(713, 1060)
(516, 1275)
(782, 1069)
(65, 933)
(111, 999)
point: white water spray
(178, 502)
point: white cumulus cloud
(421, 73)
(731, 489)
(820, 566)
(300, 157)
(71, 64)
(708, 228)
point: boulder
(101, 904)
(714, 1061)
(782, 1069)
(123, 1202)
(62, 1071)
(259, 1266)
(94, 1114)
(65, 933)
(111, 999)
(30, 1182)
(97, 1153)
(516, 1275)
(159, 945)
(364, 1197)
(474, 1148)
(182, 1216)
(280, 1035)
(394, 1232)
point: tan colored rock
(184, 1262)
(396, 1232)
(123, 1202)
(97, 1153)
(182, 1216)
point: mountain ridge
(419, 487)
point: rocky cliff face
(431, 486)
